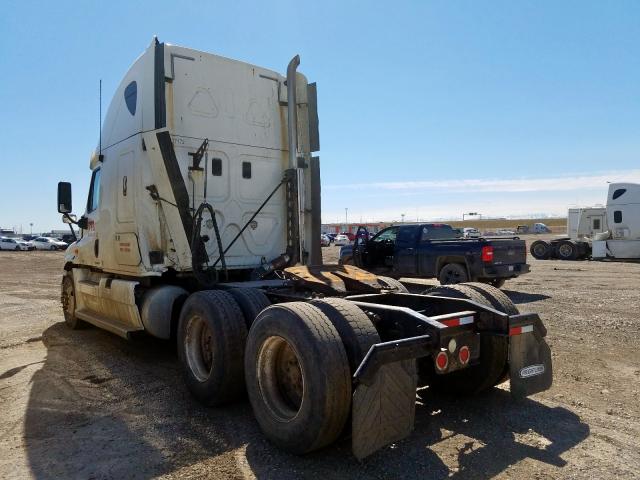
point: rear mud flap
(530, 365)
(384, 410)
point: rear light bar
(487, 254)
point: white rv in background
(611, 232)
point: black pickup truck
(435, 250)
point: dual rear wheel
(296, 358)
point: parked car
(12, 244)
(325, 241)
(471, 232)
(29, 244)
(431, 250)
(47, 243)
(341, 240)
(351, 236)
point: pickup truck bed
(424, 251)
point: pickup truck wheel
(297, 376)
(452, 273)
(346, 261)
(68, 300)
(392, 284)
(494, 351)
(540, 250)
(567, 250)
(494, 282)
(353, 325)
(211, 342)
(251, 301)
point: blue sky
(428, 108)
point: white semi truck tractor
(202, 227)
(610, 232)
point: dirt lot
(88, 404)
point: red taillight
(487, 254)
(442, 361)
(463, 355)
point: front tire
(211, 340)
(68, 300)
(298, 377)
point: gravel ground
(88, 404)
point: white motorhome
(202, 226)
(584, 223)
(599, 232)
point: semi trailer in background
(601, 232)
(202, 226)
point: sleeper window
(131, 96)
(617, 216)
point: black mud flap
(530, 365)
(384, 409)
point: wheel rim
(198, 347)
(539, 250)
(68, 299)
(452, 276)
(280, 378)
(565, 250)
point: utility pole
(31, 228)
(346, 215)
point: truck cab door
(405, 260)
(360, 246)
(426, 254)
(89, 245)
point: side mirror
(64, 197)
(69, 219)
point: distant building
(373, 227)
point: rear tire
(453, 273)
(353, 325)
(211, 340)
(494, 282)
(251, 301)
(540, 250)
(497, 298)
(392, 284)
(489, 370)
(297, 376)
(567, 250)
